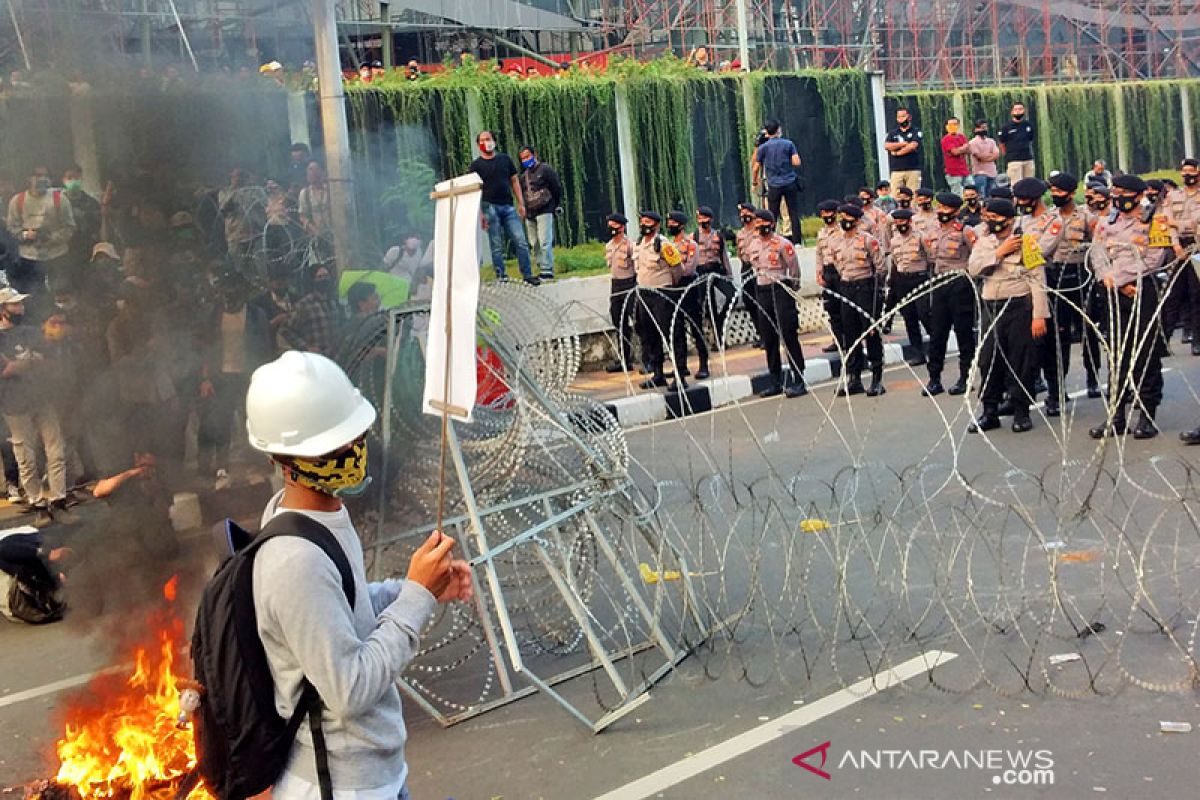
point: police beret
(765, 215)
(1102, 191)
(651, 215)
(705, 211)
(850, 210)
(1028, 188)
(1189, 162)
(827, 205)
(1155, 184)
(1003, 192)
(1130, 183)
(924, 191)
(904, 191)
(618, 218)
(678, 216)
(1064, 181)
(902, 213)
(853, 200)
(747, 207)
(1002, 206)
(949, 199)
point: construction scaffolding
(914, 43)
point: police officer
(827, 277)
(1121, 260)
(952, 301)
(1041, 232)
(859, 261)
(925, 218)
(1015, 311)
(658, 265)
(1183, 204)
(713, 273)
(971, 213)
(1073, 306)
(688, 295)
(908, 275)
(904, 197)
(777, 275)
(746, 241)
(618, 254)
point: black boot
(832, 347)
(657, 381)
(1039, 386)
(853, 385)
(1005, 409)
(876, 388)
(1021, 421)
(1093, 388)
(1190, 437)
(1116, 427)
(773, 389)
(615, 366)
(795, 385)
(989, 420)
(1145, 428)
(702, 373)
(918, 357)
(960, 385)
(934, 387)
(1053, 409)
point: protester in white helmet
(302, 411)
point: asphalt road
(1093, 740)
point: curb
(698, 398)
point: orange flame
(122, 734)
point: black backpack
(242, 744)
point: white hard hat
(302, 404)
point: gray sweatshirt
(352, 657)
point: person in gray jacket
(303, 412)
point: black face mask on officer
(647, 230)
(674, 228)
(1152, 197)
(847, 223)
(613, 232)
(904, 202)
(746, 218)
(1060, 200)
(828, 219)
(924, 203)
(905, 228)
(946, 216)
(997, 226)
(1025, 207)
(704, 223)
(1099, 205)
(766, 229)
(1125, 202)
(1191, 178)
(971, 202)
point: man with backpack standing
(542, 191)
(334, 644)
(42, 221)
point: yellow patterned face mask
(341, 474)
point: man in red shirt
(954, 156)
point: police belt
(708, 269)
(858, 282)
(1017, 302)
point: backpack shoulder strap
(302, 526)
(57, 200)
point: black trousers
(217, 414)
(832, 302)
(777, 195)
(951, 306)
(656, 312)
(860, 313)
(1135, 350)
(1008, 357)
(715, 282)
(749, 286)
(780, 322)
(909, 296)
(1054, 349)
(1181, 307)
(622, 305)
(689, 302)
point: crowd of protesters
(130, 322)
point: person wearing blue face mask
(543, 196)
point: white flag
(450, 383)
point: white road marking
(56, 686)
(770, 731)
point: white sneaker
(222, 481)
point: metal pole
(743, 36)
(1185, 109)
(333, 124)
(186, 42)
(12, 13)
(877, 89)
(626, 154)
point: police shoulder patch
(958, 226)
(1055, 228)
(789, 249)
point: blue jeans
(983, 185)
(501, 220)
(539, 231)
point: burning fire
(123, 737)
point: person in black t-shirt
(500, 215)
(904, 151)
(1016, 142)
